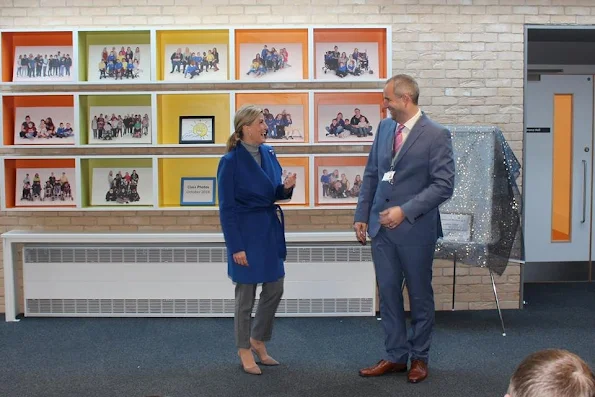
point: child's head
(552, 373)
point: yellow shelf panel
(172, 170)
(171, 106)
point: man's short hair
(405, 85)
(552, 373)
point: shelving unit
(159, 181)
(135, 116)
(236, 46)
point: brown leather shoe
(383, 367)
(418, 371)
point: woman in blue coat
(249, 184)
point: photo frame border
(197, 203)
(195, 142)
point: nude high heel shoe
(267, 360)
(254, 370)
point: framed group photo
(116, 186)
(347, 117)
(300, 166)
(271, 54)
(342, 54)
(41, 125)
(286, 114)
(45, 187)
(43, 64)
(195, 62)
(338, 179)
(118, 125)
(128, 62)
(197, 129)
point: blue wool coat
(250, 219)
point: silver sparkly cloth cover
(481, 222)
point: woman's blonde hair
(552, 373)
(246, 115)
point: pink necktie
(398, 138)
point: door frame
(553, 271)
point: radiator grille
(45, 300)
(181, 307)
(185, 255)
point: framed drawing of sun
(197, 129)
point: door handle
(584, 190)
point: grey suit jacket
(424, 179)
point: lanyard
(394, 159)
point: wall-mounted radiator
(188, 281)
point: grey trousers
(262, 328)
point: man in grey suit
(409, 173)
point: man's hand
(361, 229)
(392, 217)
(240, 258)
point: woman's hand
(290, 181)
(240, 258)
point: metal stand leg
(454, 279)
(497, 303)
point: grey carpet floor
(183, 357)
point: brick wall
(466, 54)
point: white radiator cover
(126, 281)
